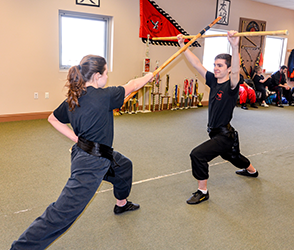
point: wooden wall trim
(41, 115)
(24, 116)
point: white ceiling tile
(288, 4)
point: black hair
(226, 57)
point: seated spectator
(246, 92)
(280, 86)
(261, 84)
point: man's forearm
(235, 73)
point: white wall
(29, 45)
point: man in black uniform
(279, 84)
(224, 88)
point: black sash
(230, 132)
(96, 149)
(227, 130)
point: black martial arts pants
(287, 93)
(219, 144)
(87, 173)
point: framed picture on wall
(223, 10)
(95, 3)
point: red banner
(157, 23)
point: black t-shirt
(222, 101)
(257, 79)
(93, 120)
(278, 78)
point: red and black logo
(154, 24)
(219, 95)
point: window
(274, 53)
(213, 47)
(82, 34)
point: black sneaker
(244, 106)
(198, 197)
(128, 207)
(252, 105)
(246, 173)
(279, 105)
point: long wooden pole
(253, 33)
(176, 54)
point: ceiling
(288, 4)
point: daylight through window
(82, 34)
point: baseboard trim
(24, 116)
(44, 115)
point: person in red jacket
(246, 92)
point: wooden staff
(177, 53)
(253, 33)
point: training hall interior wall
(30, 48)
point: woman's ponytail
(79, 75)
(76, 86)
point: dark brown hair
(257, 68)
(226, 57)
(284, 67)
(78, 76)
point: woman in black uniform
(89, 109)
(261, 84)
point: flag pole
(176, 54)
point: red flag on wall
(261, 60)
(157, 23)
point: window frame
(108, 34)
(282, 53)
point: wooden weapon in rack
(185, 92)
(244, 68)
(190, 90)
(147, 59)
(177, 53)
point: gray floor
(242, 213)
